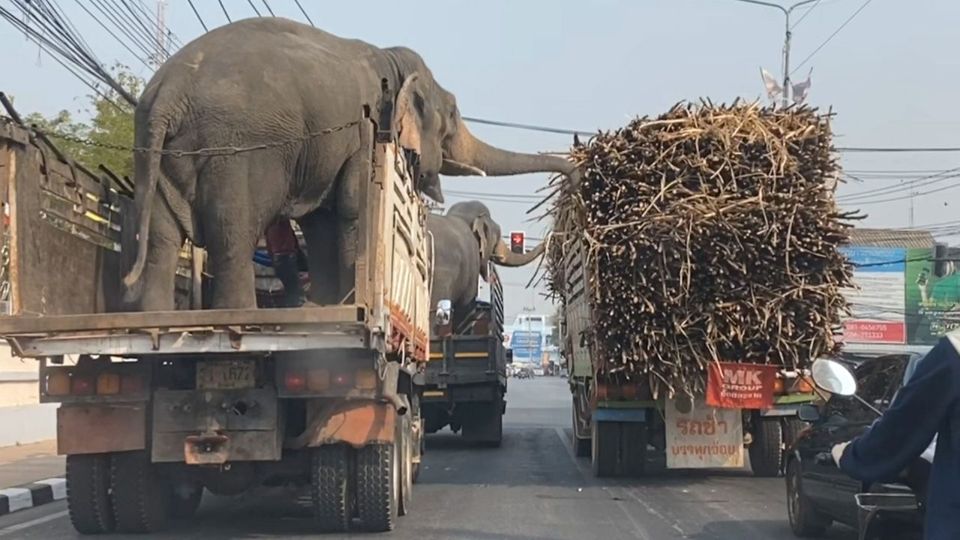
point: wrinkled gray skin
(265, 80)
(464, 239)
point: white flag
(801, 89)
(770, 82)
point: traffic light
(516, 242)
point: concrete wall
(22, 418)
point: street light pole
(788, 34)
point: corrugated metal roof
(905, 238)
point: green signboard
(932, 302)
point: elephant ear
(405, 118)
(480, 233)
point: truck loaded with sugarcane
(700, 272)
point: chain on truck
(156, 407)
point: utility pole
(788, 34)
(161, 53)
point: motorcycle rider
(927, 406)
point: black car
(818, 492)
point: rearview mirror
(832, 376)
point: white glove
(837, 452)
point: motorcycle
(834, 378)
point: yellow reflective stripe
(432, 393)
(96, 217)
(471, 355)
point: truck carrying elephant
(254, 122)
(466, 378)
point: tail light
(804, 386)
(82, 385)
(778, 386)
(64, 382)
(295, 381)
(108, 384)
(318, 380)
(366, 379)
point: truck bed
(190, 332)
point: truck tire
(766, 450)
(581, 447)
(378, 486)
(88, 493)
(141, 496)
(792, 426)
(185, 499)
(605, 449)
(330, 492)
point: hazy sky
(890, 75)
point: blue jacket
(928, 405)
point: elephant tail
(148, 168)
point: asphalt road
(530, 488)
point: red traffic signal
(517, 242)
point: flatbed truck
(466, 378)
(155, 408)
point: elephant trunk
(470, 155)
(504, 257)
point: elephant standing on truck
(464, 239)
(257, 121)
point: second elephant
(464, 239)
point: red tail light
(83, 385)
(295, 381)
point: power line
(904, 197)
(268, 8)
(257, 11)
(837, 31)
(910, 185)
(305, 13)
(804, 16)
(197, 13)
(227, 15)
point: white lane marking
(32, 523)
(19, 498)
(58, 485)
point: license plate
(225, 375)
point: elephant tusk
(457, 168)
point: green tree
(111, 124)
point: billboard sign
(878, 305)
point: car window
(877, 381)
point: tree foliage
(111, 123)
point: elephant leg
(230, 231)
(348, 222)
(319, 232)
(160, 271)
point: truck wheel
(581, 447)
(88, 493)
(378, 486)
(766, 450)
(140, 495)
(185, 498)
(605, 448)
(330, 487)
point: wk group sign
(903, 296)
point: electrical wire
(804, 16)
(305, 13)
(922, 181)
(197, 13)
(227, 15)
(268, 8)
(257, 11)
(834, 34)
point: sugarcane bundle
(710, 233)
